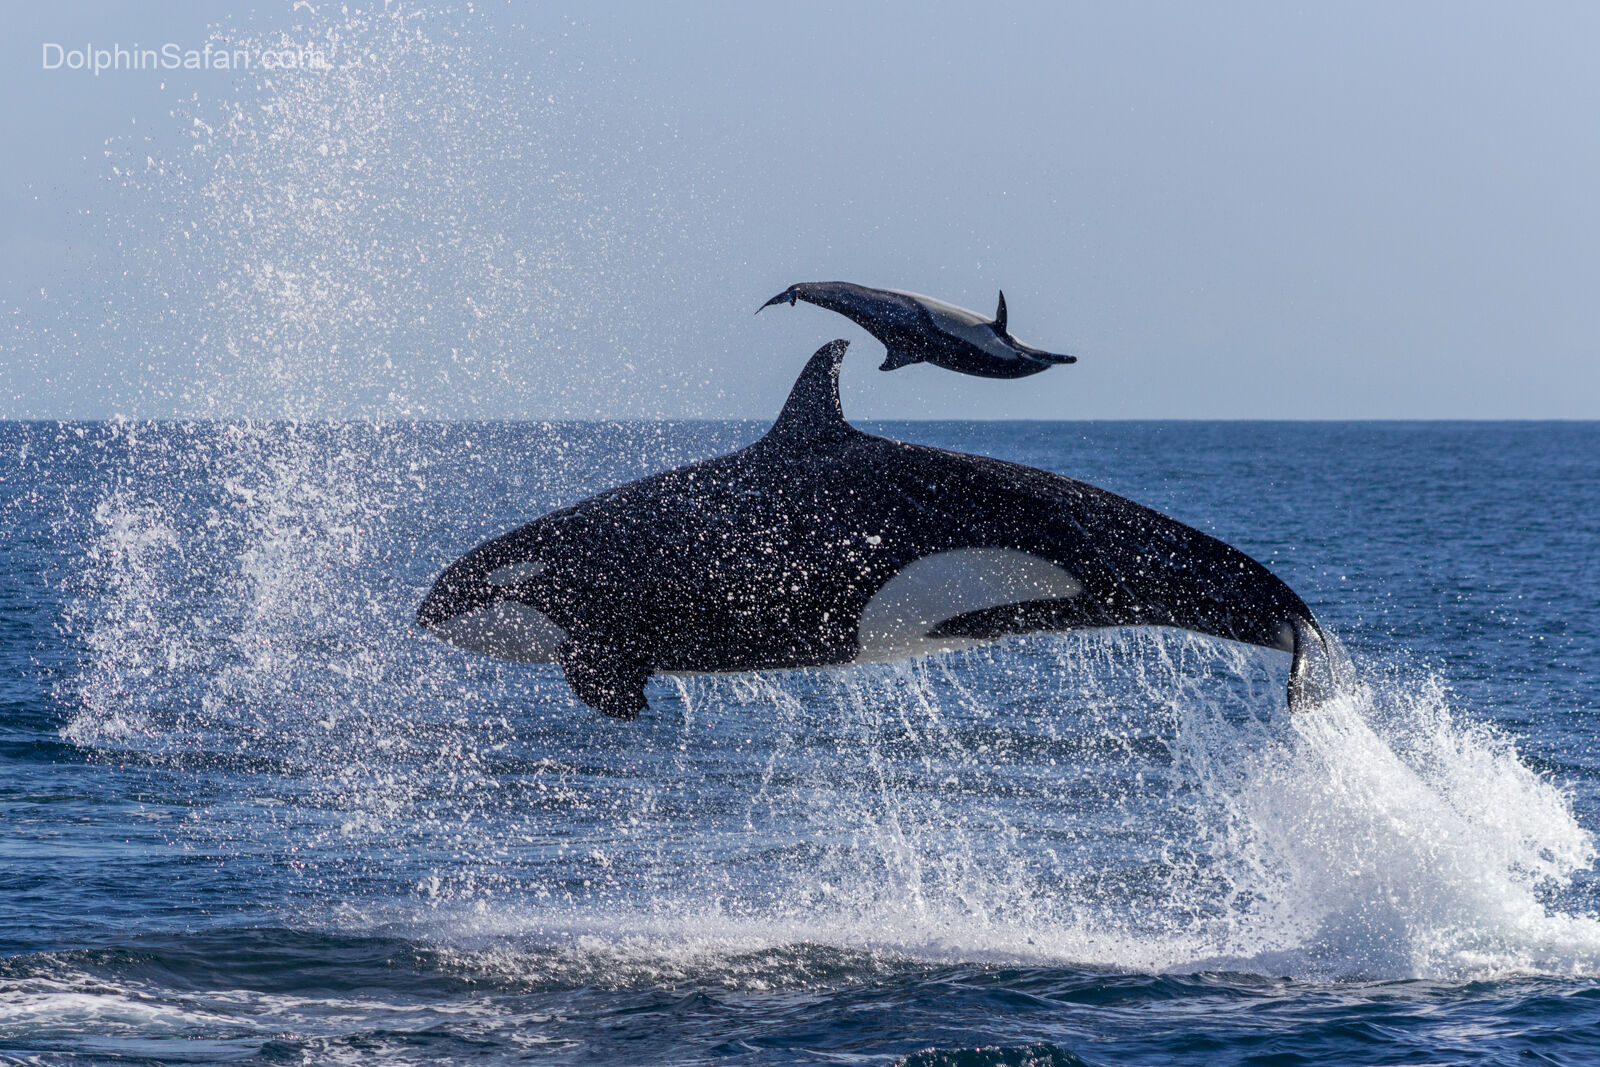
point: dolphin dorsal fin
(813, 407)
(1000, 313)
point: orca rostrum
(920, 329)
(820, 545)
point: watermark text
(96, 60)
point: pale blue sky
(1227, 211)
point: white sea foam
(75, 1006)
(81, 1002)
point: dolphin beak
(788, 295)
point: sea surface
(250, 813)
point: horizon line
(623, 419)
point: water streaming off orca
(254, 812)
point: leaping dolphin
(917, 329)
(820, 544)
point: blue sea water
(249, 813)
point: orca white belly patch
(935, 589)
(506, 629)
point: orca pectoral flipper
(607, 678)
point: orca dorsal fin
(1000, 313)
(813, 407)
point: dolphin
(822, 545)
(918, 329)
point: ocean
(249, 812)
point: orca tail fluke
(1320, 669)
(1301, 683)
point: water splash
(1407, 841)
(1140, 815)
(424, 226)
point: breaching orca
(920, 329)
(820, 544)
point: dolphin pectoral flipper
(610, 680)
(896, 358)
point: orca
(822, 545)
(920, 329)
